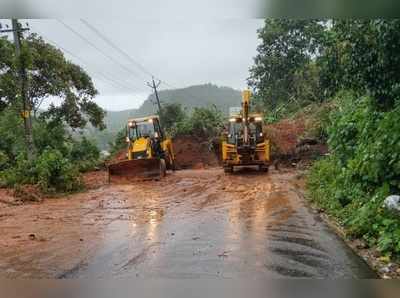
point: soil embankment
(194, 153)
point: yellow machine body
(150, 152)
(245, 143)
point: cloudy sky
(179, 52)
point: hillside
(194, 96)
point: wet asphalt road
(211, 225)
(195, 224)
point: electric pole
(17, 31)
(154, 86)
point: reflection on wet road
(201, 223)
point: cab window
(142, 129)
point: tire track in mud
(297, 252)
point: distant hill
(194, 96)
(205, 95)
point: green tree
(172, 114)
(362, 55)
(206, 122)
(50, 75)
(282, 70)
(11, 133)
(85, 154)
(119, 143)
(8, 85)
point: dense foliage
(284, 69)
(59, 161)
(363, 169)
(201, 122)
(50, 75)
(355, 66)
(59, 158)
(363, 56)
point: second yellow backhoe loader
(149, 153)
(245, 143)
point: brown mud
(193, 223)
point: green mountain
(205, 95)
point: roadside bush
(22, 172)
(51, 171)
(11, 134)
(85, 155)
(4, 160)
(318, 120)
(56, 173)
(50, 134)
(363, 169)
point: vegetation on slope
(353, 64)
(58, 158)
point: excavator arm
(245, 115)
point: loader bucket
(137, 169)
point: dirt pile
(285, 135)
(194, 153)
(291, 143)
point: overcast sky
(179, 52)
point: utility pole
(154, 86)
(23, 80)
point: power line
(105, 77)
(122, 52)
(110, 43)
(114, 46)
(96, 47)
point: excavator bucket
(137, 169)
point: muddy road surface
(193, 224)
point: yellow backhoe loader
(149, 154)
(244, 143)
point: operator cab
(235, 130)
(148, 127)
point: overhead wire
(115, 47)
(101, 74)
(98, 49)
(122, 52)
